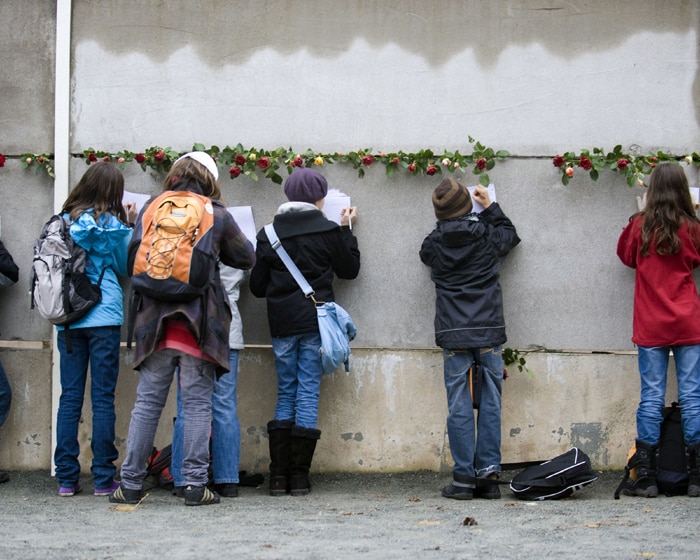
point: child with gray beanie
(321, 249)
(464, 253)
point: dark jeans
(98, 347)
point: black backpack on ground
(554, 479)
(672, 462)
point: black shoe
(487, 491)
(227, 490)
(125, 496)
(178, 491)
(457, 492)
(200, 496)
(4, 477)
(645, 487)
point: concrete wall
(535, 79)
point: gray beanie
(305, 185)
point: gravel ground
(376, 516)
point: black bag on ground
(554, 479)
(672, 463)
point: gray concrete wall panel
(27, 44)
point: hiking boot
(126, 496)
(487, 491)
(68, 491)
(227, 489)
(457, 492)
(106, 491)
(200, 496)
(645, 487)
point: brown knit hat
(451, 200)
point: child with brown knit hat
(464, 253)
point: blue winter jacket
(106, 245)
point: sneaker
(457, 492)
(68, 491)
(126, 496)
(106, 491)
(178, 491)
(227, 490)
(488, 491)
(200, 496)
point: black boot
(644, 463)
(302, 453)
(278, 432)
(694, 470)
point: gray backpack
(60, 290)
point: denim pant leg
(460, 414)
(687, 360)
(298, 365)
(156, 375)
(653, 367)
(309, 371)
(488, 425)
(73, 375)
(104, 370)
(226, 430)
(177, 443)
(286, 352)
(196, 388)
(226, 433)
(5, 396)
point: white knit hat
(205, 159)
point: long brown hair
(668, 206)
(101, 190)
(188, 168)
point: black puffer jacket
(320, 248)
(465, 256)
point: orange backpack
(175, 259)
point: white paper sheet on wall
(137, 198)
(244, 218)
(492, 195)
(334, 204)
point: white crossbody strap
(288, 262)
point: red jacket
(666, 303)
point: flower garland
(256, 162)
(634, 168)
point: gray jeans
(196, 387)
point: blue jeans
(476, 449)
(197, 385)
(5, 396)
(226, 430)
(98, 347)
(653, 366)
(298, 365)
